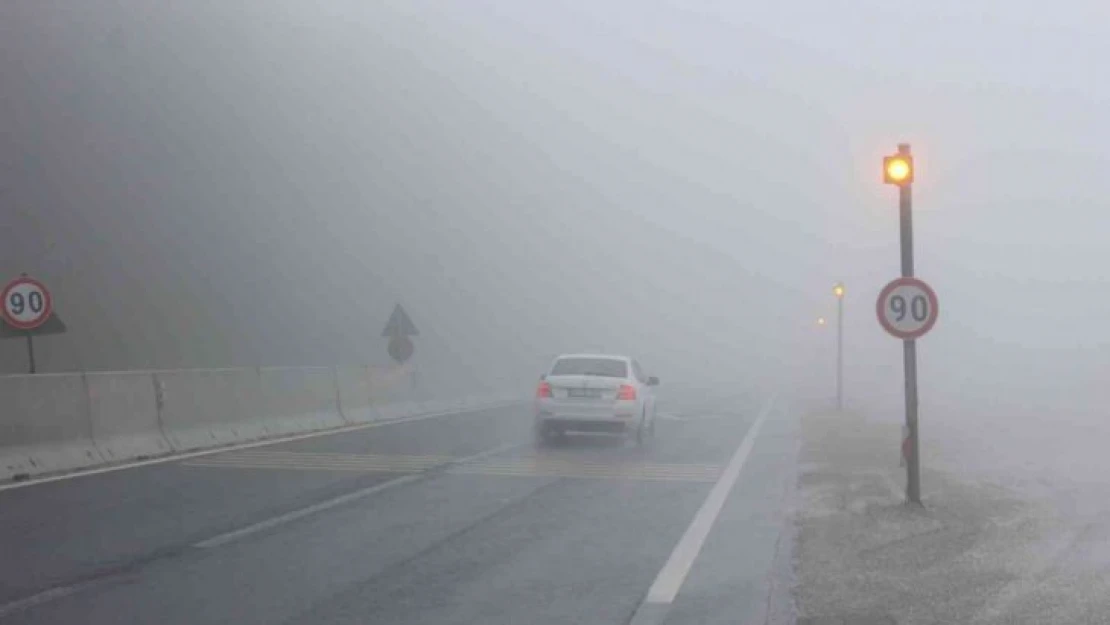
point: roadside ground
(978, 552)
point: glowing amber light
(898, 170)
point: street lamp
(838, 291)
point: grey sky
(683, 178)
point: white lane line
(270, 441)
(46, 596)
(289, 517)
(223, 539)
(666, 416)
(674, 572)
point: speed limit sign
(26, 303)
(907, 308)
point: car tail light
(626, 392)
(543, 390)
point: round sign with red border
(907, 308)
(25, 303)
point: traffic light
(898, 169)
(838, 290)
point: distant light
(838, 290)
(898, 169)
(820, 321)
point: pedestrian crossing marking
(558, 466)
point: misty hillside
(199, 193)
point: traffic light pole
(909, 347)
(840, 353)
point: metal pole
(31, 353)
(909, 348)
(840, 353)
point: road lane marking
(525, 466)
(271, 453)
(640, 471)
(369, 462)
(673, 574)
(666, 416)
(270, 441)
(229, 537)
(46, 596)
(323, 461)
(318, 467)
(583, 476)
(289, 517)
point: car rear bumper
(578, 416)
(600, 410)
(592, 425)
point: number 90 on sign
(25, 303)
(907, 308)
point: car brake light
(543, 390)
(626, 392)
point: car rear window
(603, 367)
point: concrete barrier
(356, 403)
(44, 425)
(210, 407)
(123, 414)
(297, 400)
(60, 422)
(393, 391)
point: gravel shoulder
(976, 553)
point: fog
(252, 182)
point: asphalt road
(453, 519)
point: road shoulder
(976, 552)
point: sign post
(31, 368)
(838, 291)
(907, 308)
(25, 305)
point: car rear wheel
(642, 432)
(546, 436)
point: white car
(595, 393)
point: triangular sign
(399, 324)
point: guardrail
(60, 422)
